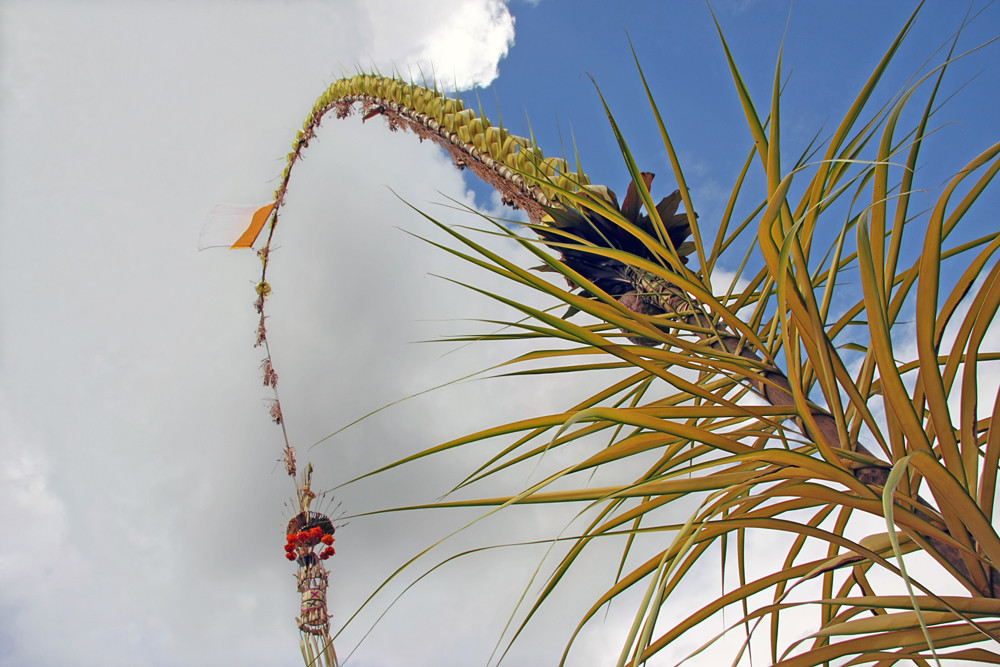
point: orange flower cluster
(301, 543)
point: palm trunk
(775, 388)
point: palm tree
(770, 404)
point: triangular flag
(232, 226)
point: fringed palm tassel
(318, 651)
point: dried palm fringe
(318, 651)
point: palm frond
(786, 422)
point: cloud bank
(136, 456)
(460, 44)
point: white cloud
(458, 43)
(138, 483)
(146, 484)
(474, 39)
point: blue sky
(829, 53)
(137, 463)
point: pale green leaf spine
(453, 122)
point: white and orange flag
(233, 226)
